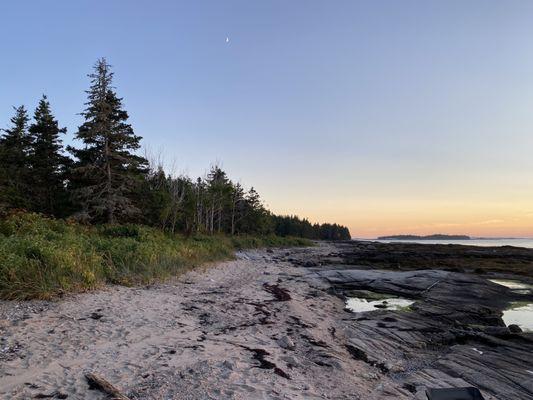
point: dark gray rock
(453, 334)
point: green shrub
(42, 257)
(128, 230)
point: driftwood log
(99, 383)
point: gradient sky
(387, 116)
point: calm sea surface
(525, 242)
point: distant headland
(428, 237)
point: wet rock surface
(504, 260)
(453, 334)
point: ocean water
(519, 313)
(519, 242)
(356, 304)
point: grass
(43, 258)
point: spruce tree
(257, 218)
(48, 164)
(237, 206)
(107, 171)
(14, 167)
(219, 191)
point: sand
(227, 331)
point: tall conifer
(48, 164)
(14, 166)
(107, 171)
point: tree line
(105, 180)
(294, 226)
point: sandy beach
(260, 327)
(213, 334)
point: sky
(386, 116)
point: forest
(73, 218)
(106, 181)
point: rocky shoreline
(272, 325)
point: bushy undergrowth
(42, 257)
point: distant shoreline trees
(105, 181)
(292, 225)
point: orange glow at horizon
(381, 219)
(485, 200)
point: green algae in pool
(356, 304)
(520, 314)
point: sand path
(226, 332)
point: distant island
(428, 237)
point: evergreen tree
(219, 193)
(154, 197)
(110, 183)
(294, 226)
(256, 219)
(237, 207)
(14, 167)
(48, 164)
(107, 171)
